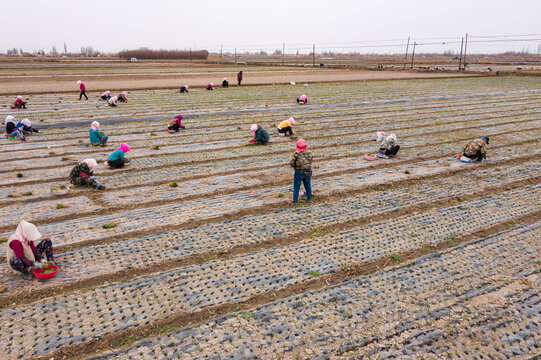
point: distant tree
(277, 52)
(13, 51)
(53, 51)
(65, 49)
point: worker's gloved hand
(127, 160)
(43, 261)
(37, 265)
(92, 178)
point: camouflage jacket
(301, 160)
(474, 146)
(79, 169)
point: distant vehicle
(133, 59)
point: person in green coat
(97, 139)
(117, 159)
(261, 136)
(83, 174)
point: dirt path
(33, 84)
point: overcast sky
(129, 24)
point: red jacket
(82, 86)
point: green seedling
(110, 225)
(62, 206)
(64, 158)
(173, 185)
(153, 134)
(3, 239)
(28, 193)
(414, 235)
(313, 273)
(452, 242)
(52, 153)
(427, 251)
(315, 232)
(19, 175)
(155, 147)
(510, 224)
(14, 195)
(237, 307)
(396, 257)
(406, 172)
(343, 266)
(280, 195)
(247, 316)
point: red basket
(37, 272)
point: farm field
(417, 257)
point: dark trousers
(21, 105)
(300, 101)
(116, 164)
(225, 84)
(477, 157)
(239, 81)
(81, 95)
(102, 141)
(176, 127)
(44, 246)
(298, 177)
(183, 89)
(392, 152)
(286, 130)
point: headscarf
(124, 93)
(485, 139)
(301, 145)
(107, 92)
(180, 117)
(186, 86)
(27, 232)
(92, 164)
(225, 79)
(95, 125)
(253, 127)
(291, 120)
(19, 97)
(380, 135)
(113, 100)
(26, 122)
(79, 82)
(302, 97)
(124, 147)
(9, 119)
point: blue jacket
(116, 155)
(94, 135)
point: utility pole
(283, 53)
(465, 47)
(314, 55)
(413, 54)
(460, 58)
(235, 55)
(191, 59)
(406, 56)
(221, 53)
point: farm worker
(209, 86)
(117, 159)
(122, 97)
(261, 136)
(183, 89)
(388, 147)
(106, 95)
(239, 78)
(97, 138)
(225, 83)
(19, 103)
(82, 87)
(302, 163)
(12, 130)
(285, 127)
(26, 127)
(175, 124)
(112, 101)
(380, 135)
(302, 99)
(83, 174)
(475, 150)
(22, 254)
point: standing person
(106, 95)
(388, 147)
(22, 254)
(302, 163)
(12, 130)
(112, 101)
(285, 127)
(183, 89)
(19, 103)
(83, 174)
(122, 97)
(210, 86)
(97, 139)
(82, 87)
(117, 159)
(25, 126)
(475, 150)
(302, 99)
(175, 124)
(239, 78)
(261, 136)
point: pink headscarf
(302, 97)
(27, 232)
(225, 79)
(301, 145)
(95, 125)
(253, 127)
(124, 147)
(186, 86)
(291, 120)
(92, 164)
(124, 93)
